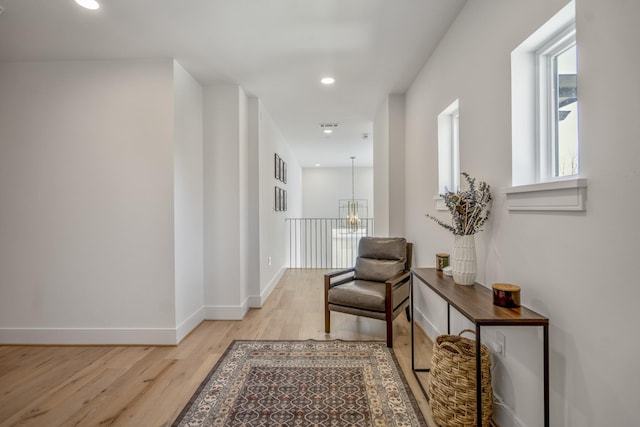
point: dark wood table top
(475, 302)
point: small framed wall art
(280, 199)
(280, 168)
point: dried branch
(469, 209)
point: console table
(475, 302)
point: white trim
(226, 312)
(88, 336)
(448, 148)
(561, 195)
(546, 106)
(427, 326)
(257, 301)
(189, 324)
(530, 155)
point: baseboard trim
(226, 312)
(257, 301)
(426, 325)
(134, 336)
(87, 336)
(189, 324)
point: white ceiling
(276, 50)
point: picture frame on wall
(280, 201)
(276, 166)
(280, 168)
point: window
(544, 103)
(557, 107)
(545, 161)
(449, 149)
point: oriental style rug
(304, 383)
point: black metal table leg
(478, 378)
(546, 374)
(413, 363)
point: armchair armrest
(348, 272)
(393, 283)
(339, 272)
(398, 279)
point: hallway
(149, 385)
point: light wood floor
(149, 386)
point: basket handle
(454, 347)
(466, 330)
(451, 346)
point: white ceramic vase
(463, 260)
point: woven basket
(452, 382)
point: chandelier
(353, 221)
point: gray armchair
(378, 285)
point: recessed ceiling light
(89, 4)
(328, 131)
(317, 165)
(326, 80)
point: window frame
(530, 189)
(449, 148)
(546, 105)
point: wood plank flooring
(149, 386)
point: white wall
(574, 268)
(243, 212)
(273, 234)
(223, 192)
(86, 218)
(322, 188)
(188, 207)
(242, 230)
(253, 201)
(389, 166)
(135, 204)
(397, 173)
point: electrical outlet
(500, 346)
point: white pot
(463, 260)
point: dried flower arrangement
(469, 209)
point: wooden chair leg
(327, 315)
(388, 308)
(327, 320)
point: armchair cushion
(378, 270)
(383, 248)
(359, 293)
(380, 259)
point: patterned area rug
(304, 383)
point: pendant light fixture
(352, 219)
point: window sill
(566, 195)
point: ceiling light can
(328, 81)
(88, 4)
